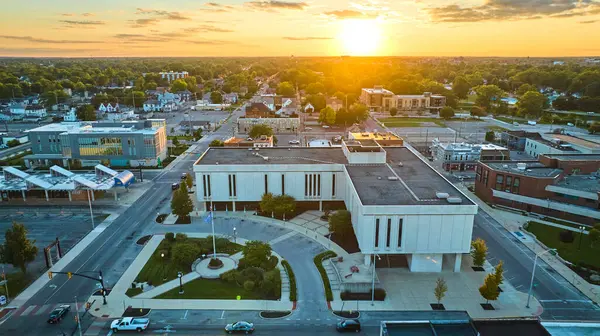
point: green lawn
(131, 292)
(410, 122)
(17, 282)
(549, 235)
(510, 120)
(210, 289)
(158, 268)
(497, 128)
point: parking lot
(45, 227)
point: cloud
(88, 14)
(46, 51)
(347, 14)
(497, 10)
(275, 4)
(82, 22)
(139, 23)
(67, 14)
(133, 38)
(42, 40)
(588, 21)
(216, 7)
(176, 16)
(306, 38)
(213, 29)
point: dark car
(174, 186)
(58, 313)
(241, 327)
(348, 325)
(183, 176)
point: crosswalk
(36, 310)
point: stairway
(285, 285)
(334, 279)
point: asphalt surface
(15, 150)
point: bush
(170, 236)
(270, 264)
(249, 285)
(229, 276)
(184, 254)
(292, 276)
(566, 236)
(271, 284)
(215, 262)
(318, 260)
(181, 237)
(349, 296)
(254, 274)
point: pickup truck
(130, 324)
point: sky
(187, 28)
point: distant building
(334, 103)
(71, 116)
(279, 125)
(171, 76)
(10, 136)
(126, 143)
(108, 108)
(262, 142)
(184, 95)
(230, 98)
(379, 99)
(463, 156)
(152, 105)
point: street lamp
(162, 256)
(90, 204)
(373, 281)
(537, 255)
(234, 235)
(581, 231)
(180, 276)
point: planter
(437, 306)
(347, 314)
(487, 306)
(478, 269)
(215, 264)
(274, 314)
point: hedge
(318, 260)
(349, 296)
(290, 272)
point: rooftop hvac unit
(521, 166)
(400, 164)
(393, 178)
(266, 158)
(442, 195)
(454, 200)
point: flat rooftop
(534, 169)
(278, 155)
(587, 183)
(378, 90)
(374, 136)
(574, 157)
(577, 141)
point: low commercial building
(5, 138)
(172, 75)
(262, 142)
(516, 140)
(279, 125)
(551, 143)
(379, 99)
(401, 208)
(558, 185)
(121, 144)
(463, 156)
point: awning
(124, 178)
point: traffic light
(76, 318)
(88, 305)
(69, 275)
(50, 275)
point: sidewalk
(513, 223)
(59, 266)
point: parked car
(308, 128)
(325, 126)
(294, 142)
(130, 324)
(183, 176)
(242, 327)
(174, 186)
(58, 313)
(348, 325)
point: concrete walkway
(513, 222)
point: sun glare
(360, 37)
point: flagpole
(212, 222)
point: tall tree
(340, 223)
(461, 87)
(393, 111)
(531, 104)
(189, 181)
(216, 97)
(260, 129)
(181, 204)
(446, 112)
(489, 289)
(327, 116)
(478, 251)
(488, 94)
(86, 113)
(256, 253)
(286, 89)
(526, 88)
(499, 273)
(178, 85)
(17, 250)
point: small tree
(216, 143)
(198, 134)
(594, 128)
(478, 252)
(446, 112)
(340, 222)
(260, 129)
(490, 136)
(489, 289)
(184, 253)
(181, 204)
(477, 111)
(440, 289)
(17, 250)
(594, 235)
(393, 111)
(499, 273)
(13, 143)
(189, 181)
(256, 253)
(175, 141)
(267, 204)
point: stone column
(457, 262)
(320, 205)
(70, 197)
(233, 207)
(46, 192)
(367, 260)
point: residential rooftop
(529, 168)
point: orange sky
(302, 28)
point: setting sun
(360, 37)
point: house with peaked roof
(309, 108)
(109, 108)
(152, 105)
(230, 98)
(258, 110)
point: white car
(308, 128)
(294, 142)
(325, 126)
(130, 324)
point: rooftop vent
(393, 178)
(521, 166)
(379, 177)
(400, 164)
(454, 200)
(442, 195)
(266, 158)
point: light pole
(234, 235)
(162, 257)
(90, 204)
(537, 255)
(180, 276)
(103, 288)
(581, 231)
(373, 281)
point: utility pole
(77, 312)
(5, 282)
(90, 204)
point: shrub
(349, 296)
(170, 236)
(566, 236)
(270, 264)
(292, 276)
(249, 285)
(253, 273)
(271, 284)
(318, 260)
(181, 237)
(215, 262)
(184, 254)
(229, 276)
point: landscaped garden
(177, 253)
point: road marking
(28, 310)
(565, 301)
(222, 314)
(44, 309)
(185, 315)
